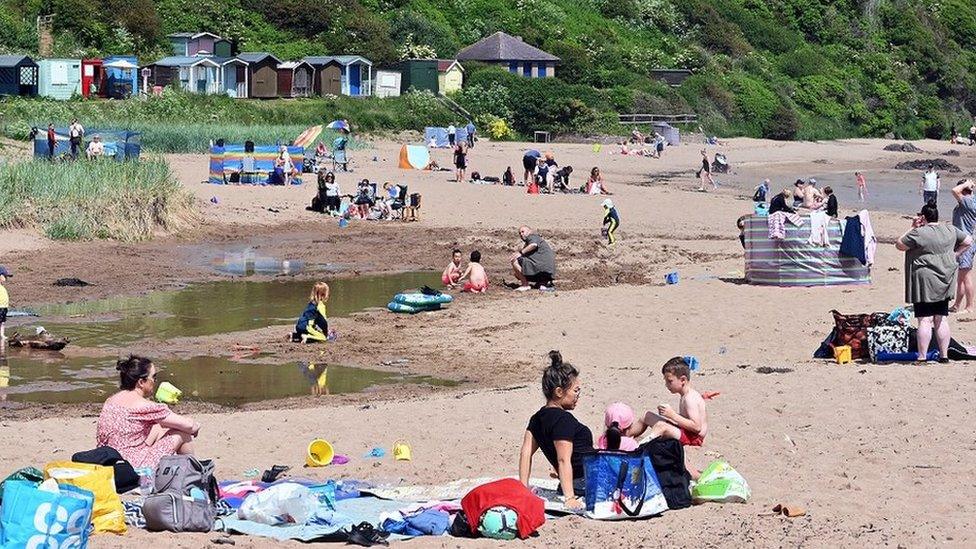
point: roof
(444, 65)
(183, 61)
(341, 59)
(226, 60)
(292, 65)
(192, 35)
(13, 60)
(503, 47)
(257, 57)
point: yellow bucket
(320, 453)
(168, 393)
(842, 354)
(401, 451)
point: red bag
(853, 330)
(533, 188)
(508, 492)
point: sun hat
(607, 203)
(619, 413)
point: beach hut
(327, 76)
(121, 76)
(513, 54)
(92, 78)
(387, 83)
(295, 79)
(59, 78)
(193, 74)
(233, 77)
(262, 74)
(418, 74)
(18, 75)
(450, 76)
(189, 44)
(794, 261)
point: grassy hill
(784, 69)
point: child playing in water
(452, 273)
(314, 324)
(862, 186)
(618, 418)
(610, 221)
(689, 424)
(477, 277)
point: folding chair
(399, 203)
(411, 210)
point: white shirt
(96, 148)
(76, 130)
(451, 130)
(931, 182)
(332, 189)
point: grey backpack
(184, 498)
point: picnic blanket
(348, 512)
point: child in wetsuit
(610, 221)
(314, 324)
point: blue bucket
(761, 209)
(671, 278)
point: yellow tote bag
(108, 514)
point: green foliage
(85, 200)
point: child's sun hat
(608, 204)
(619, 413)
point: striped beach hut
(794, 261)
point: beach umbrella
(121, 64)
(338, 125)
(533, 153)
(308, 136)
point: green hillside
(776, 68)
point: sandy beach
(876, 454)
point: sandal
(274, 472)
(365, 535)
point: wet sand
(862, 447)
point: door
(355, 79)
(332, 80)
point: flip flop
(790, 511)
(274, 472)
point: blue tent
(119, 144)
(439, 135)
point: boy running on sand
(452, 273)
(477, 277)
(689, 424)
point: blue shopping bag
(621, 485)
(30, 517)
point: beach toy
(761, 209)
(343, 222)
(499, 522)
(597, 147)
(422, 300)
(168, 393)
(320, 453)
(671, 278)
(214, 200)
(376, 453)
(692, 363)
(401, 451)
(340, 459)
(842, 354)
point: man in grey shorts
(535, 262)
(964, 219)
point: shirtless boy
(689, 424)
(452, 273)
(477, 278)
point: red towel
(530, 508)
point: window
(542, 70)
(513, 67)
(527, 70)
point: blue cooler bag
(621, 485)
(30, 517)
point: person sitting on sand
(618, 417)
(284, 162)
(560, 436)
(831, 203)
(535, 262)
(595, 184)
(798, 189)
(452, 273)
(365, 198)
(689, 424)
(321, 153)
(624, 149)
(636, 136)
(141, 430)
(313, 325)
(812, 197)
(508, 178)
(779, 203)
(474, 276)
(96, 149)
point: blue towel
(431, 522)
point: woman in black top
(460, 161)
(778, 203)
(554, 430)
(831, 202)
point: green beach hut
(59, 78)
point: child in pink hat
(618, 418)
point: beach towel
(777, 223)
(818, 229)
(870, 241)
(853, 244)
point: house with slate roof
(513, 54)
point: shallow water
(53, 379)
(216, 307)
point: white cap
(607, 203)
